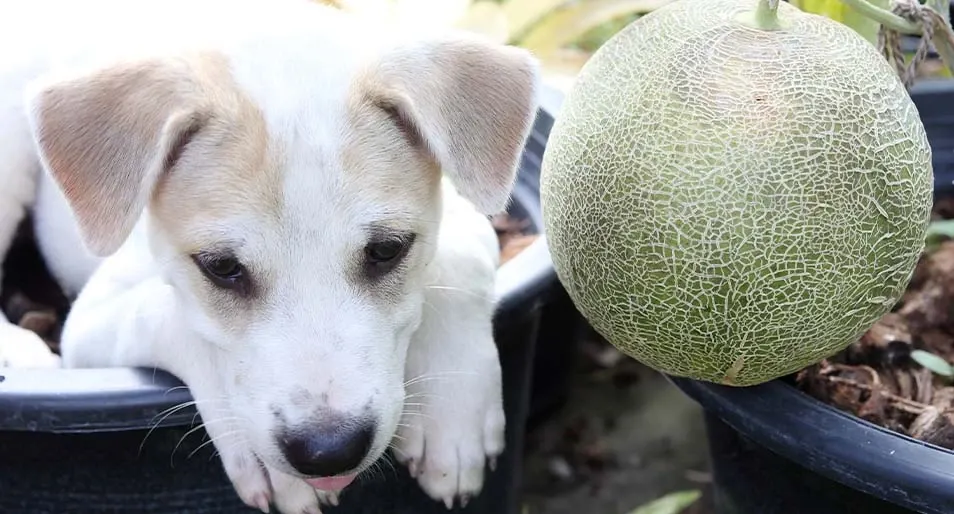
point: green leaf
(938, 232)
(566, 25)
(593, 39)
(521, 14)
(933, 363)
(941, 228)
(672, 503)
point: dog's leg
(19, 347)
(454, 418)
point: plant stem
(884, 17)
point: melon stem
(765, 16)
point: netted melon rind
(724, 201)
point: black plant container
(79, 441)
(776, 450)
(561, 325)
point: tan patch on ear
(107, 135)
(379, 161)
(228, 168)
(467, 102)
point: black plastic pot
(561, 325)
(776, 450)
(78, 441)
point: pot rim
(80, 400)
(830, 442)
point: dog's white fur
(309, 127)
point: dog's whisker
(184, 436)
(458, 290)
(419, 395)
(379, 466)
(213, 440)
(415, 406)
(424, 400)
(165, 414)
(442, 373)
(420, 406)
(202, 426)
(374, 470)
(174, 409)
(398, 450)
(390, 461)
(421, 414)
(213, 421)
(436, 376)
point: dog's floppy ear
(468, 102)
(106, 136)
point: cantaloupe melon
(734, 190)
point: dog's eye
(222, 270)
(384, 251)
(385, 254)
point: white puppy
(254, 196)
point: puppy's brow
(378, 230)
(216, 245)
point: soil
(877, 379)
(30, 298)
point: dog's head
(292, 187)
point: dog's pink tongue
(331, 483)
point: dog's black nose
(327, 449)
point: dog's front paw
(249, 478)
(293, 496)
(262, 487)
(22, 348)
(452, 427)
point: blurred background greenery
(561, 33)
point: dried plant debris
(900, 373)
(576, 452)
(30, 298)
